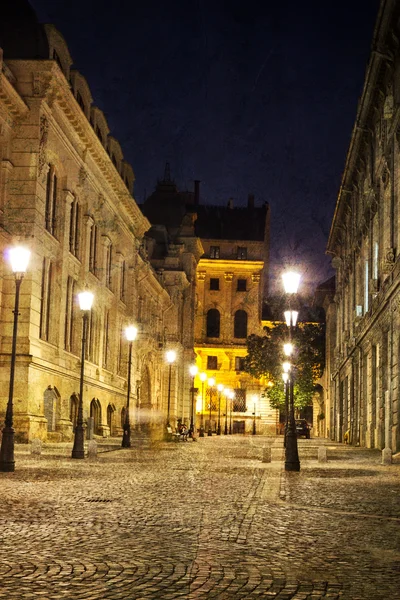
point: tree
(265, 357)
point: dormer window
(242, 253)
(57, 59)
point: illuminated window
(214, 251)
(74, 229)
(51, 201)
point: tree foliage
(265, 358)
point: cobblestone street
(200, 520)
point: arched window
(240, 324)
(213, 323)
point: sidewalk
(199, 520)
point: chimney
(230, 203)
(196, 192)
(250, 201)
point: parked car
(303, 428)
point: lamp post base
(126, 437)
(219, 430)
(201, 432)
(292, 462)
(78, 451)
(7, 463)
(209, 433)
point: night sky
(247, 96)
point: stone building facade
(67, 194)
(363, 322)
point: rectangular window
(108, 266)
(51, 201)
(214, 283)
(212, 363)
(375, 259)
(239, 363)
(239, 400)
(123, 281)
(45, 300)
(106, 340)
(366, 287)
(74, 228)
(91, 334)
(69, 315)
(241, 285)
(93, 249)
(214, 251)
(242, 253)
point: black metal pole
(169, 395)
(292, 462)
(7, 463)
(126, 438)
(219, 414)
(191, 432)
(226, 415)
(201, 433)
(209, 422)
(230, 418)
(78, 450)
(254, 420)
(286, 411)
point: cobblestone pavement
(199, 520)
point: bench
(173, 436)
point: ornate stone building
(66, 194)
(363, 324)
(227, 271)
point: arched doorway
(73, 410)
(95, 414)
(145, 397)
(51, 399)
(111, 418)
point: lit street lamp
(19, 258)
(291, 282)
(254, 413)
(203, 377)
(130, 334)
(193, 371)
(220, 388)
(211, 383)
(171, 358)
(85, 304)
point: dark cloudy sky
(247, 96)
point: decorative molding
(228, 276)
(255, 277)
(201, 275)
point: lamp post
(203, 377)
(254, 415)
(85, 304)
(211, 383)
(231, 396)
(130, 334)
(285, 377)
(19, 258)
(193, 371)
(226, 411)
(220, 389)
(171, 358)
(291, 282)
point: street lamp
(226, 391)
(130, 334)
(211, 383)
(171, 358)
(203, 377)
(85, 304)
(220, 389)
(285, 377)
(19, 259)
(291, 282)
(254, 419)
(193, 370)
(231, 396)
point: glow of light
(193, 370)
(131, 333)
(19, 259)
(291, 282)
(85, 300)
(170, 356)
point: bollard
(322, 455)
(266, 458)
(92, 450)
(386, 456)
(36, 447)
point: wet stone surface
(199, 520)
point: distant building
(363, 323)
(226, 288)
